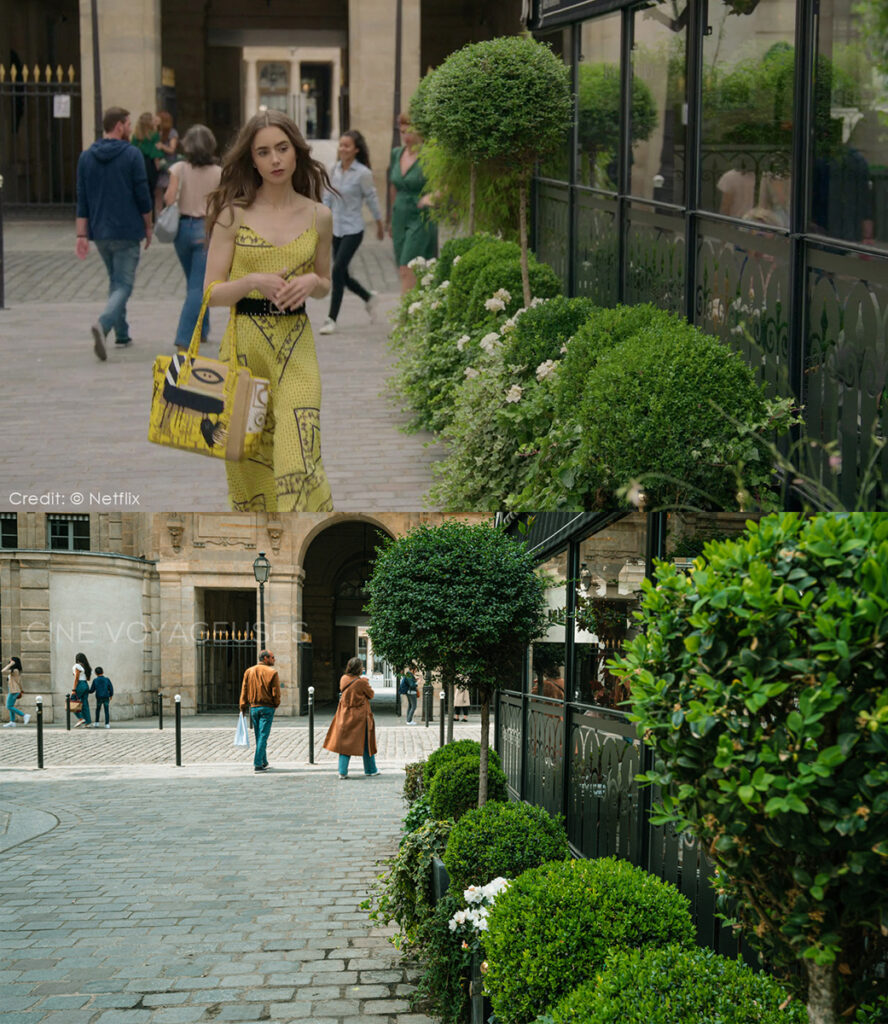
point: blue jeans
(121, 257)
(103, 702)
(192, 253)
(11, 698)
(84, 714)
(369, 760)
(261, 719)
(411, 706)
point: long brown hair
(240, 180)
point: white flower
(427, 280)
(490, 341)
(435, 305)
(456, 260)
(545, 369)
(443, 286)
(417, 263)
(470, 372)
(495, 305)
(514, 393)
(537, 302)
(563, 349)
(462, 342)
(501, 293)
(508, 326)
(414, 307)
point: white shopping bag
(242, 733)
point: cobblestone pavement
(141, 743)
(185, 896)
(72, 425)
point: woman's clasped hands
(286, 292)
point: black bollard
(68, 711)
(160, 710)
(178, 731)
(311, 725)
(441, 702)
(39, 732)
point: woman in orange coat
(352, 730)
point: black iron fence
(40, 135)
(582, 763)
(223, 657)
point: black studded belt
(265, 307)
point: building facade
(167, 603)
(729, 161)
(334, 65)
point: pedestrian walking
(260, 695)
(270, 244)
(461, 703)
(80, 689)
(191, 181)
(408, 687)
(103, 688)
(353, 730)
(114, 210)
(168, 145)
(413, 231)
(145, 138)
(353, 186)
(13, 691)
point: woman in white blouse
(192, 179)
(353, 182)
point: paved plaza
(136, 892)
(72, 425)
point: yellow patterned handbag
(207, 406)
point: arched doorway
(337, 565)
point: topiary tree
(439, 759)
(502, 840)
(461, 600)
(675, 985)
(553, 927)
(505, 101)
(760, 681)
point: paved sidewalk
(74, 426)
(172, 896)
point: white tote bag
(166, 227)
(242, 733)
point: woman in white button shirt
(351, 178)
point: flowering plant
(472, 921)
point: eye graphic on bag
(206, 375)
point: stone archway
(337, 564)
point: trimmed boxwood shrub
(553, 927)
(505, 272)
(542, 331)
(464, 275)
(453, 248)
(452, 752)
(502, 840)
(673, 985)
(454, 789)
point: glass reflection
(598, 101)
(747, 105)
(547, 653)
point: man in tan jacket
(260, 695)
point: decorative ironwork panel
(544, 750)
(742, 296)
(656, 259)
(603, 808)
(846, 366)
(552, 230)
(510, 741)
(597, 249)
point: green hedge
(464, 275)
(542, 331)
(505, 272)
(454, 789)
(674, 985)
(553, 927)
(501, 840)
(453, 752)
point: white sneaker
(9, 725)
(80, 722)
(370, 305)
(27, 719)
(107, 726)
(329, 326)
(410, 723)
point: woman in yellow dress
(270, 247)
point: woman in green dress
(412, 229)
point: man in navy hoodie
(114, 210)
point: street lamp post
(261, 569)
